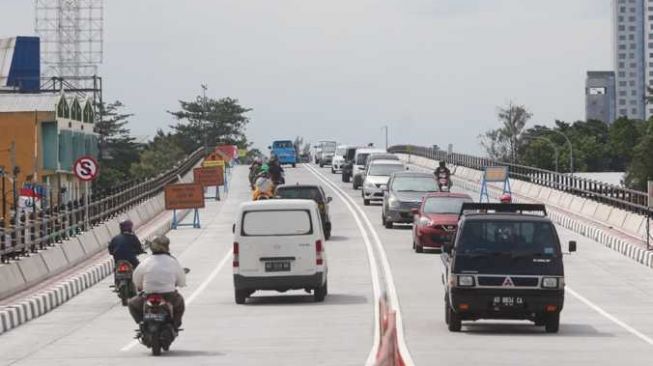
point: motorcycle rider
(505, 198)
(276, 171)
(442, 172)
(160, 274)
(126, 246)
(263, 185)
(253, 171)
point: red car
(436, 219)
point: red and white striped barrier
(389, 353)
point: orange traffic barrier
(388, 354)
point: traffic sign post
(495, 174)
(86, 169)
(648, 215)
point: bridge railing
(35, 230)
(624, 198)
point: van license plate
(508, 301)
(277, 266)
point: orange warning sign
(184, 196)
(209, 177)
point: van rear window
(277, 223)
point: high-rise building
(633, 57)
(600, 96)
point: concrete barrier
(633, 223)
(544, 195)
(55, 259)
(74, 251)
(565, 200)
(102, 235)
(11, 279)
(589, 208)
(617, 217)
(33, 269)
(113, 227)
(602, 213)
(89, 243)
(577, 204)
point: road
(607, 318)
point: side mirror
(414, 211)
(361, 168)
(269, 147)
(407, 168)
(329, 199)
(186, 270)
(572, 246)
(384, 187)
(233, 229)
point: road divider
(384, 272)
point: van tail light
(124, 267)
(236, 255)
(319, 250)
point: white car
(279, 245)
(376, 177)
(338, 159)
(360, 159)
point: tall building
(600, 96)
(633, 56)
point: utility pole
(571, 151)
(4, 198)
(386, 136)
(15, 170)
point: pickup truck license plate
(508, 301)
(277, 266)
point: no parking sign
(86, 168)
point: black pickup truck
(504, 262)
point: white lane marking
(599, 310)
(391, 288)
(610, 317)
(374, 271)
(198, 291)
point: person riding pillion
(276, 171)
(160, 274)
(442, 172)
(126, 246)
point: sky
(433, 71)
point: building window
(623, 112)
(622, 74)
(622, 56)
(632, 74)
(622, 65)
(622, 46)
(622, 28)
(622, 102)
(634, 110)
(623, 83)
(633, 92)
(633, 102)
(632, 28)
(631, 18)
(622, 93)
(633, 46)
(631, 37)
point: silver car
(376, 177)
(404, 192)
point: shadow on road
(337, 238)
(331, 299)
(191, 353)
(528, 329)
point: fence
(624, 198)
(39, 229)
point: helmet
(258, 160)
(442, 163)
(160, 244)
(505, 198)
(126, 226)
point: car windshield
(328, 148)
(361, 158)
(282, 144)
(414, 184)
(508, 237)
(307, 193)
(341, 151)
(384, 170)
(444, 205)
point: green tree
(160, 155)
(624, 135)
(117, 149)
(640, 169)
(503, 143)
(208, 122)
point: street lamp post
(571, 151)
(204, 127)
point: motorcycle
(124, 286)
(444, 184)
(157, 331)
(263, 189)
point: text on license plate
(155, 316)
(508, 301)
(277, 266)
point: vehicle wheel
(388, 224)
(320, 293)
(124, 301)
(166, 347)
(327, 233)
(333, 171)
(241, 296)
(156, 345)
(366, 202)
(453, 321)
(294, 165)
(552, 323)
(345, 178)
(321, 165)
(355, 186)
(418, 248)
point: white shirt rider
(159, 274)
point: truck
(285, 151)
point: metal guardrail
(624, 198)
(40, 229)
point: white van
(359, 164)
(377, 176)
(279, 245)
